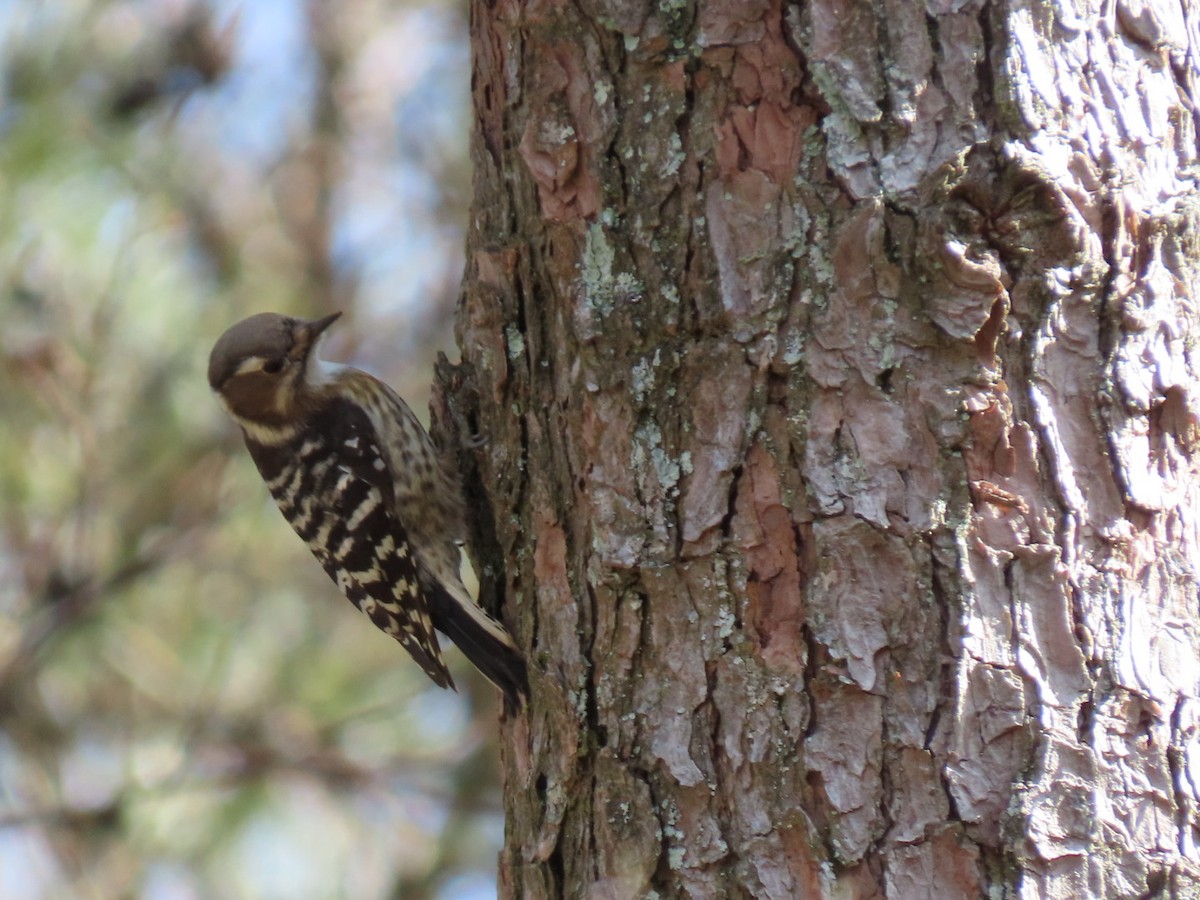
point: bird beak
(312, 330)
(305, 338)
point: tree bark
(835, 364)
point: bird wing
(347, 518)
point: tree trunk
(835, 364)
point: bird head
(266, 372)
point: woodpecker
(359, 479)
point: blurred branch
(61, 607)
(86, 820)
(232, 764)
(189, 54)
(309, 179)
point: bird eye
(273, 366)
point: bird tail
(483, 640)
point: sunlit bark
(835, 364)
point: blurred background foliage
(187, 706)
